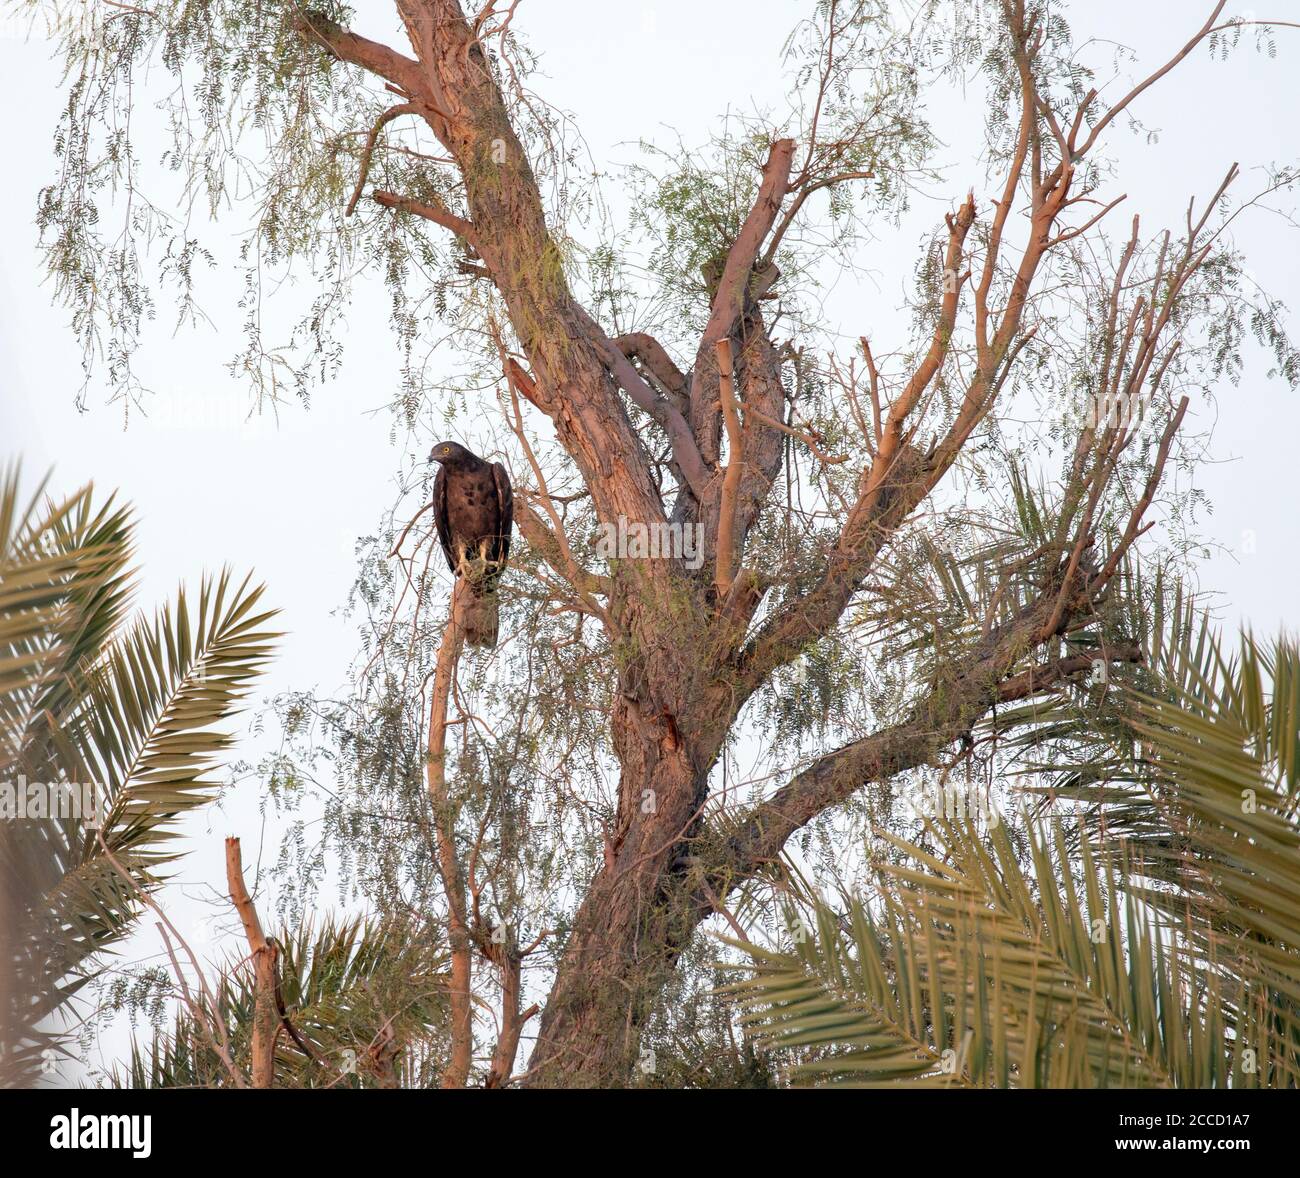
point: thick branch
(438, 214)
(729, 300)
(733, 290)
(369, 55)
(639, 345)
(571, 363)
(510, 967)
(758, 378)
(686, 455)
(972, 686)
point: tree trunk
(689, 647)
(626, 935)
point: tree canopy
(911, 549)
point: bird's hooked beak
(438, 453)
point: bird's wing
(440, 519)
(506, 506)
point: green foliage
(1153, 939)
(693, 1040)
(128, 714)
(350, 989)
(261, 124)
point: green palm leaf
(977, 970)
(349, 987)
(1152, 940)
(129, 714)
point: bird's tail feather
(481, 619)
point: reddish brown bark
(677, 700)
(266, 1020)
(450, 870)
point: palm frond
(122, 719)
(367, 998)
(1189, 775)
(979, 970)
(1153, 938)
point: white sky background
(288, 498)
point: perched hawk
(474, 509)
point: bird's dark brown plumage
(473, 508)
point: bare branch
(731, 480)
(438, 214)
(372, 138)
(638, 345)
(266, 1019)
(1134, 528)
(1105, 121)
(729, 300)
(459, 993)
(807, 435)
(686, 454)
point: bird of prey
(474, 509)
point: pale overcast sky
(288, 498)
